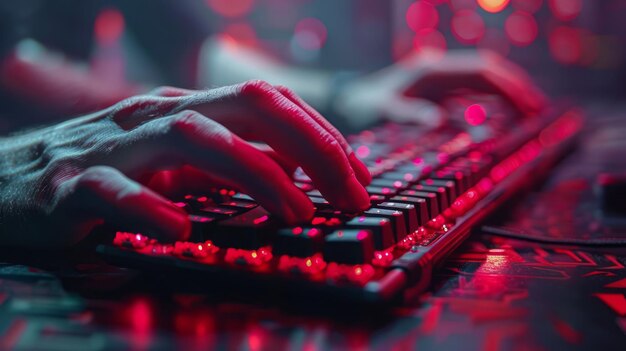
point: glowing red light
(109, 26)
(565, 44)
(362, 235)
(297, 230)
(310, 33)
(421, 15)
(231, 8)
(565, 10)
(467, 26)
(260, 219)
(362, 151)
(475, 114)
(521, 28)
(493, 6)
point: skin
(59, 182)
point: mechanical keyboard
(430, 186)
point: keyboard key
(238, 204)
(397, 219)
(240, 196)
(403, 176)
(421, 207)
(219, 211)
(431, 200)
(200, 224)
(390, 183)
(247, 231)
(380, 228)
(320, 202)
(442, 195)
(298, 242)
(448, 185)
(314, 193)
(384, 191)
(349, 247)
(410, 213)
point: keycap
(239, 204)
(380, 228)
(431, 200)
(298, 242)
(397, 219)
(319, 202)
(405, 176)
(421, 207)
(448, 185)
(349, 247)
(314, 193)
(219, 211)
(200, 224)
(240, 196)
(442, 195)
(247, 231)
(410, 213)
(384, 191)
(461, 178)
(390, 183)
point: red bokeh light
(467, 26)
(421, 15)
(521, 28)
(475, 114)
(493, 6)
(310, 33)
(109, 26)
(530, 6)
(431, 39)
(565, 10)
(231, 8)
(242, 33)
(565, 44)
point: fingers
(361, 171)
(256, 110)
(189, 138)
(102, 193)
(292, 132)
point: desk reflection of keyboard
(430, 186)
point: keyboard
(430, 186)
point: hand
(411, 89)
(59, 182)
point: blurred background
(571, 47)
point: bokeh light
(242, 33)
(521, 28)
(109, 26)
(429, 39)
(421, 15)
(310, 33)
(565, 44)
(475, 114)
(231, 8)
(493, 6)
(468, 26)
(495, 40)
(565, 10)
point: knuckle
(141, 105)
(256, 88)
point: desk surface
(494, 294)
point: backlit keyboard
(430, 186)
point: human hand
(60, 182)
(412, 89)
